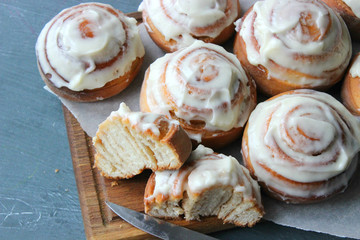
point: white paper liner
(338, 216)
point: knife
(154, 226)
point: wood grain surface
(94, 190)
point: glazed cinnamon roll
(89, 52)
(174, 24)
(292, 44)
(204, 88)
(301, 146)
(350, 92)
(349, 10)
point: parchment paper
(339, 215)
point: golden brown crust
(350, 92)
(110, 89)
(149, 190)
(170, 46)
(264, 81)
(351, 20)
(178, 140)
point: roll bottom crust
(110, 89)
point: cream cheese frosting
(205, 170)
(88, 45)
(201, 82)
(274, 35)
(354, 5)
(305, 137)
(142, 121)
(181, 20)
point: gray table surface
(36, 202)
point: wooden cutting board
(99, 221)
(94, 190)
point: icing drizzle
(88, 45)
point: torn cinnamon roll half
(89, 52)
(292, 44)
(127, 143)
(302, 146)
(204, 88)
(208, 184)
(174, 24)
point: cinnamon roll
(208, 184)
(302, 146)
(174, 24)
(204, 88)
(292, 44)
(89, 52)
(350, 92)
(349, 10)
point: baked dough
(292, 44)
(89, 52)
(128, 142)
(302, 146)
(208, 184)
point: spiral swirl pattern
(88, 45)
(302, 144)
(302, 43)
(202, 86)
(185, 21)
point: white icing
(354, 5)
(281, 39)
(290, 118)
(204, 170)
(186, 17)
(141, 121)
(355, 67)
(66, 52)
(202, 76)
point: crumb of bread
(114, 183)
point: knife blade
(154, 226)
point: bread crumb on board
(114, 183)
